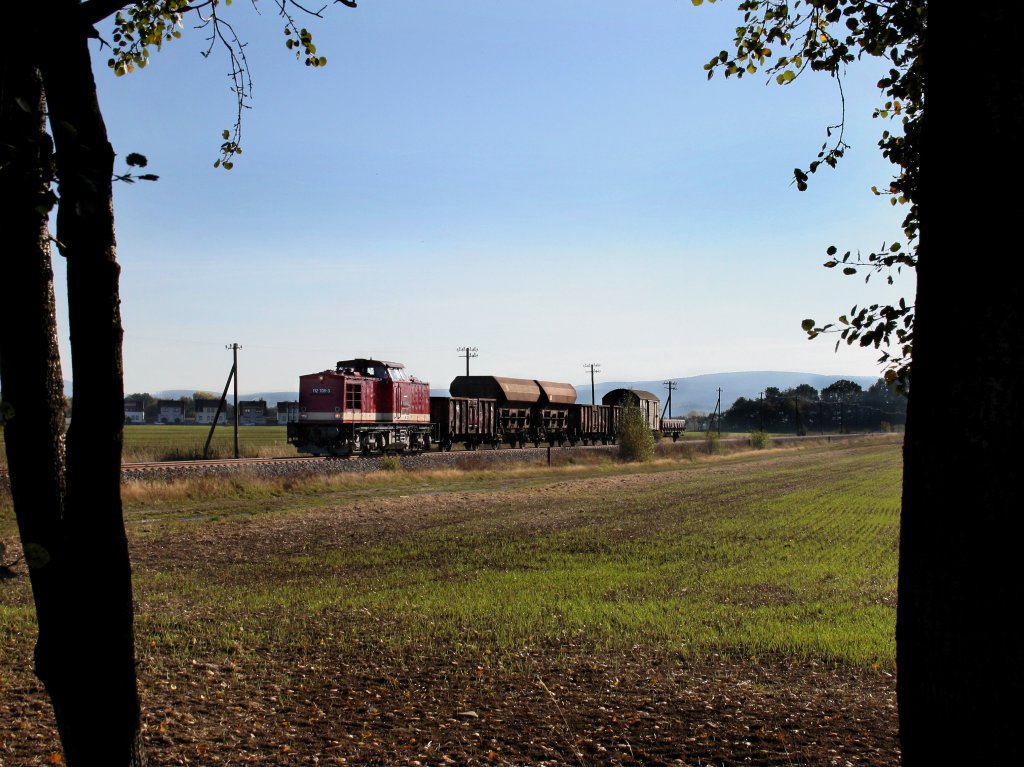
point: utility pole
(468, 352)
(718, 412)
(594, 366)
(760, 410)
(670, 385)
(234, 372)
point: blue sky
(554, 183)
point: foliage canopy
(141, 27)
(783, 40)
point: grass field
(173, 443)
(778, 568)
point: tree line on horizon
(843, 406)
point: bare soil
(553, 705)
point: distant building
(206, 410)
(170, 411)
(134, 411)
(252, 412)
(287, 412)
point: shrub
(711, 442)
(390, 463)
(636, 442)
(759, 439)
(885, 426)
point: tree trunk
(960, 584)
(88, 662)
(30, 370)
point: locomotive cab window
(353, 396)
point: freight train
(374, 406)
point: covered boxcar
(648, 403)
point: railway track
(170, 465)
(276, 467)
(358, 462)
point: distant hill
(701, 392)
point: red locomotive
(363, 406)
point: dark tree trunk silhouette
(68, 501)
(960, 581)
